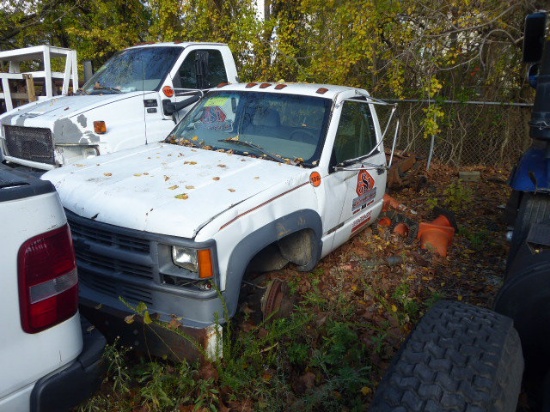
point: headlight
(186, 258)
(194, 260)
(66, 154)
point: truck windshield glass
(139, 69)
(274, 126)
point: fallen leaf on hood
(137, 174)
(189, 163)
(216, 178)
(107, 174)
(166, 178)
(182, 196)
(189, 187)
(79, 165)
(129, 319)
(147, 318)
(195, 138)
(174, 323)
(231, 190)
(222, 165)
(146, 173)
(256, 177)
(174, 187)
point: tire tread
(459, 358)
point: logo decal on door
(366, 191)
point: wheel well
(299, 248)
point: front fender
(256, 241)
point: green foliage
(417, 49)
(478, 239)
(411, 308)
(117, 369)
(432, 202)
(314, 296)
(458, 196)
(433, 299)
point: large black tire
(458, 358)
(525, 297)
(534, 208)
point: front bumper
(72, 385)
(158, 338)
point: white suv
(49, 360)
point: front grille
(130, 293)
(109, 237)
(111, 265)
(113, 261)
(30, 143)
(134, 265)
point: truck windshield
(136, 69)
(275, 126)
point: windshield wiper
(110, 89)
(253, 146)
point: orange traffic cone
(436, 235)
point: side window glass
(201, 69)
(355, 136)
(216, 69)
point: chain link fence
(471, 133)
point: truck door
(356, 182)
(200, 70)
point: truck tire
(525, 298)
(458, 358)
(534, 208)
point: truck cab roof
(328, 91)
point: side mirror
(170, 108)
(534, 36)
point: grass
(301, 362)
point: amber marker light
(206, 269)
(315, 179)
(100, 127)
(168, 91)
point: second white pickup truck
(131, 100)
(256, 175)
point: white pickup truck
(50, 358)
(131, 100)
(255, 176)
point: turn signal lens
(168, 91)
(100, 127)
(206, 269)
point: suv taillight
(48, 280)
